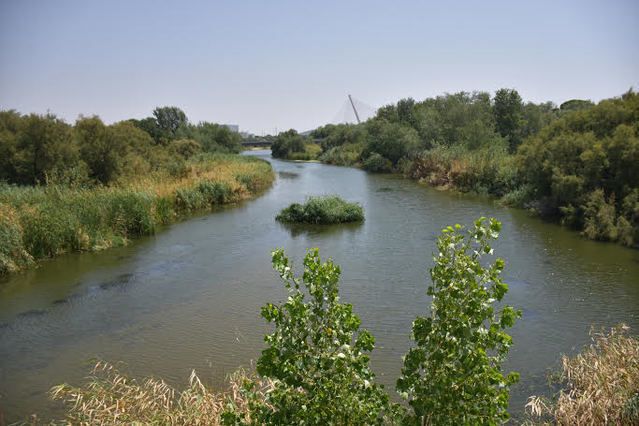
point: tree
(508, 110)
(45, 145)
(10, 125)
(214, 137)
(98, 149)
(453, 374)
(170, 119)
(392, 141)
(286, 143)
(316, 355)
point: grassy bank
(39, 222)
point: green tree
(316, 355)
(214, 137)
(508, 110)
(286, 143)
(45, 145)
(453, 375)
(170, 119)
(101, 152)
(10, 125)
(392, 141)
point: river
(189, 297)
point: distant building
(232, 127)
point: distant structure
(232, 127)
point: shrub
(316, 355)
(600, 385)
(599, 217)
(322, 210)
(377, 164)
(453, 374)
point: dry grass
(112, 398)
(601, 384)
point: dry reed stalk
(601, 384)
(112, 398)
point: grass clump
(329, 209)
(601, 384)
(111, 397)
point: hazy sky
(268, 64)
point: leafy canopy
(453, 374)
(316, 355)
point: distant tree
(10, 125)
(575, 105)
(98, 149)
(149, 125)
(44, 145)
(508, 110)
(405, 111)
(214, 137)
(170, 119)
(392, 141)
(286, 143)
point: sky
(273, 65)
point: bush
(453, 374)
(322, 210)
(315, 357)
(377, 164)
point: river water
(189, 297)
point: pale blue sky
(268, 64)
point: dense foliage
(576, 163)
(316, 356)
(322, 210)
(453, 374)
(43, 148)
(583, 169)
(290, 145)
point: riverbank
(40, 222)
(574, 164)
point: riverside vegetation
(315, 368)
(575, 164)
(329, 209)
(91, 186)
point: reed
(600, 385)
(112, 397)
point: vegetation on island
(575, 164)
(91, 186)
(322, 210)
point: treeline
(576, 163)
(36, 149)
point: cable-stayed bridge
(353, 111)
